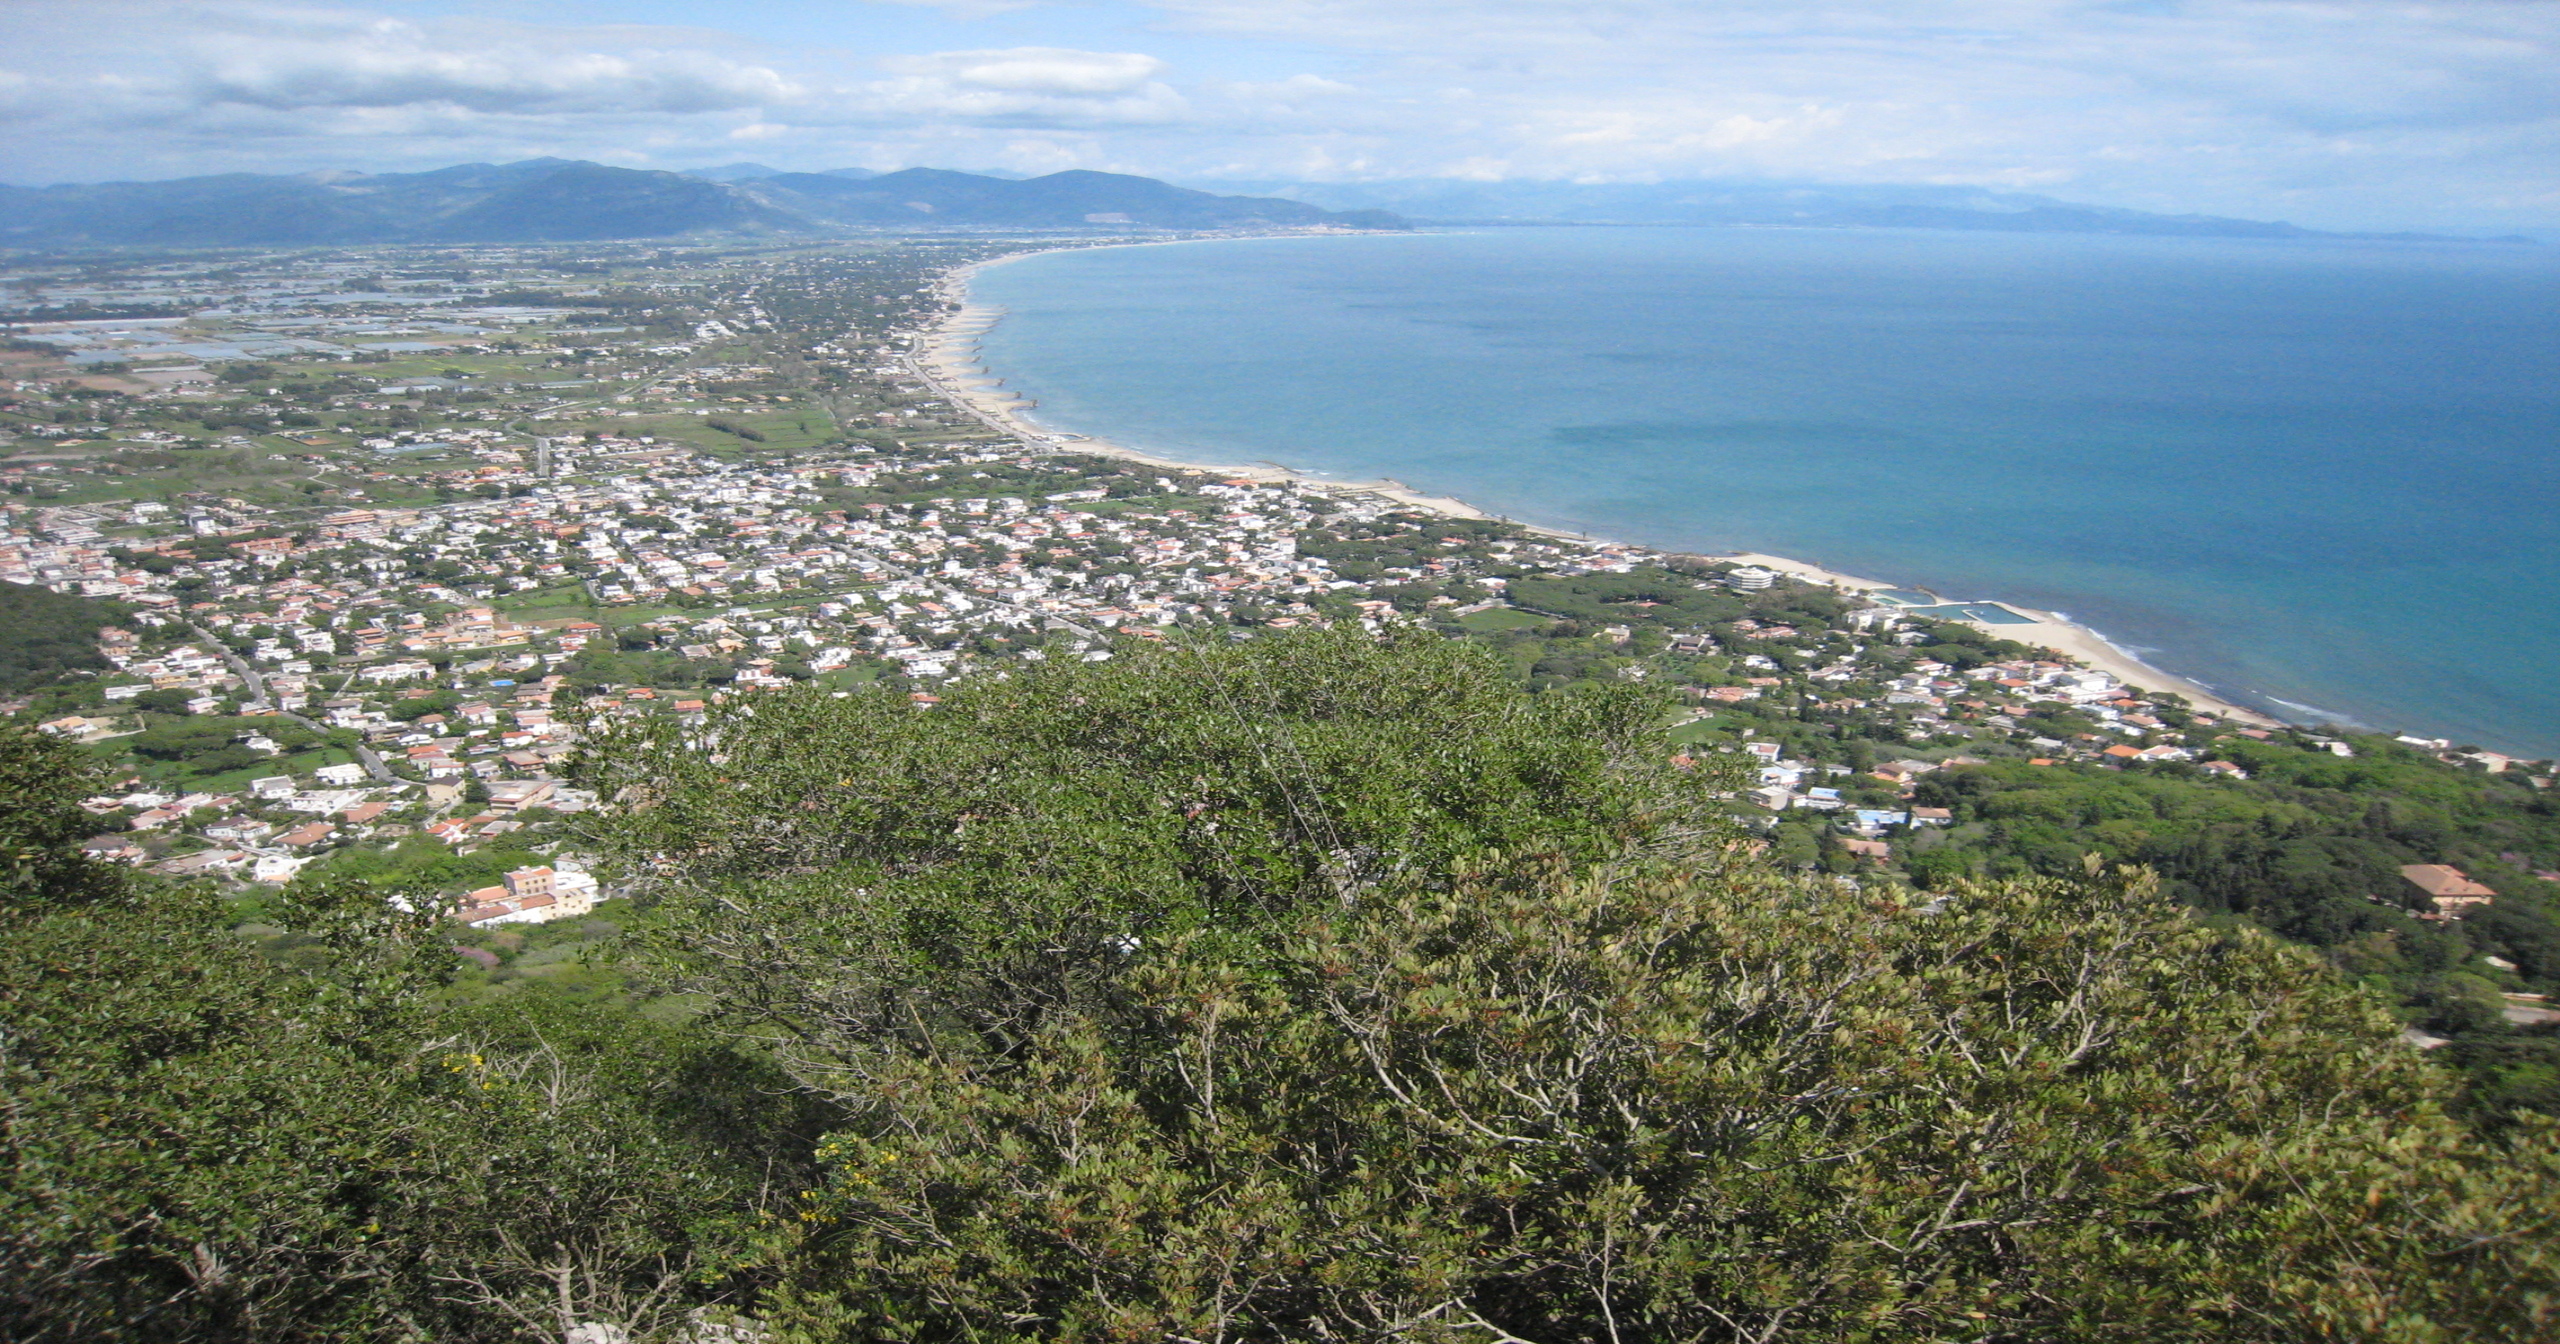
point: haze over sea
(2320, 476)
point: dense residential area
(373, 534)
(456, 645)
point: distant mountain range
(567, 200)
(748, 172)
(1801, 205)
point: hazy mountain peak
(733, 172)
(558, 200)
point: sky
(2329, 113)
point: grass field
(846, 678)
(247, 472)
(554, 611)
(1699, 730)
(619, 617)
(1501, 618)
(564, 602)
(785, 429)
(235, 781)
(611, 617)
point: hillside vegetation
(44, 634)
(1307, 987)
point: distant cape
(1779, 204)
(569, 200)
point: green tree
(1317, 986)
(211, 1145)
(1687, 1105)
(44, 634)
(418, 707)
(987, 860)
(42, 824)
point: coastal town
(382, 531)
(1020, 672)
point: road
(258, 699)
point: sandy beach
(2088, 646)
(2043, 629)
(948, 360)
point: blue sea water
(2320, 476)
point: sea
(2321, 476)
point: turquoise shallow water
(2322, 477)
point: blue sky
(2340, 114)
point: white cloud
(1025, 86)
(2355, 103)
(389, 63)
(1037, 70)
(2330, 111)
(967, 9)
(1290, 92)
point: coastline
(947, 359)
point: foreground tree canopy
(1314, 987)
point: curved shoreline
(947, 359)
